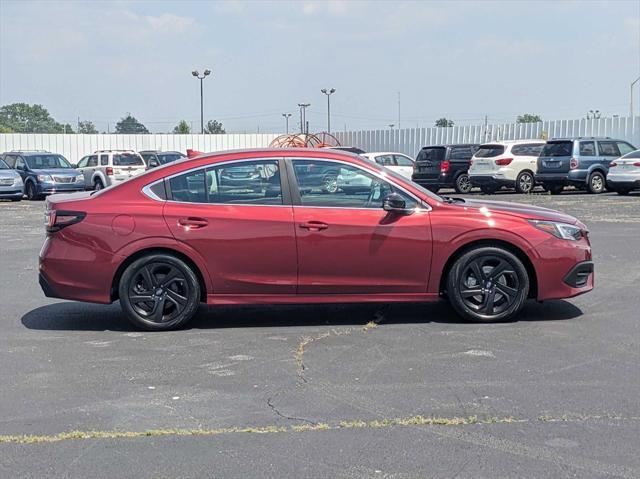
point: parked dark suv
(444, 166)
(580, 162)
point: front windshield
(165, 158)
(4, 166)
(47, 162)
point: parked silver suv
(108, 167)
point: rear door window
(489, 151)
(608, 148)
(587, 148)
(557, 148)
(527, 149)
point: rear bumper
(480, 180)
(573, 177)
(623, 182)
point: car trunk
(484, 159)
(555, 157)
(429, 160)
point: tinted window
(557, 148)
(93, 160)
(527, 149)
(127, 159)
(587, 148)
(37, 162)
(624, 147)
(403, 160)
(337, 185)
(633, 154)
(3, 165)
(248, 183)
(608, 148)
(104, 160)
(435, 153)
(83, 162)
(461, 153)
(489, 151)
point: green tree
(129, 124)
(5, 129)
(182, 128)
(25, 118)
(444, 123)
(87, 127)
(529, 118)
(214, 127)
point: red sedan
(302, 226)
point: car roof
(449, 145)
(574, 138)
(514, 142)
(376, 153)
(29, 152)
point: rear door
(428, 162)
(243, 231)
(347, 244)
(555, 157)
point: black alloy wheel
(463, 184)
(159, 292)
(488, 284)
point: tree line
(25, 118)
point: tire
(30, 190)
(330, 183)
(98, 185)
(498, 298)
(596, 183)
(462, 184)
(179, 298)
(623, 192)
(555, 189)
(525, 182)
(488, 189)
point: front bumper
(578, 276)
(51, 188)
(11, 193)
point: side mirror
(153, 163)
(394, 203)
(74, 165)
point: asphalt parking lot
(401, 391)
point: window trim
(295, 190)
(284, 184)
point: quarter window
(608, 148)
(246, 183)
(587, 148)
(337, 185)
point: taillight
(109, 171)
(58, 219)
(471, 162)
(637, 163)
(504, 161)
(573, 164)
(444, 166)
(612, 164)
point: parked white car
(624, 173)
(397, 162)
(512, 164)
(108, 167)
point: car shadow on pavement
(72, 316)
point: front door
(347, 244)
(237, 218)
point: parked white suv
(108, 167)
(397, 162)
(506, 163)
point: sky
(463, 60)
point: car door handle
(193, 223)
(314, 225)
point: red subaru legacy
(302, 226)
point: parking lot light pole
(633, 83)
(205, 74)
(303, 117)
(286, 119)
(328, 92)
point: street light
(303, 116)
(286, 119)
(391, 125)
(328, 93)
(196, 74)
(593, 115)
(631, 104)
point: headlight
(17, 180)
(79, 178)
(44, 178)
(559, 230)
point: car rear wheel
(488, 284)
(330, 184)
(159, 292)
(524, 182)
(462, 184)
(555, 189)
(488, 189)
(596, 183)
(97, 185)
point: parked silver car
(108, 167)
(624, 173)
(11, 184)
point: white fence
(410, 140)
(73, 146)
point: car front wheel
(31, 192)
(159, 292)
(487, 284)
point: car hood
(57, 171)
(8, 173)
(521, 210)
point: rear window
(558, 148)
(431, 154)
(127, 159)
(527, 149)
(633, 154)
(489, 151)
